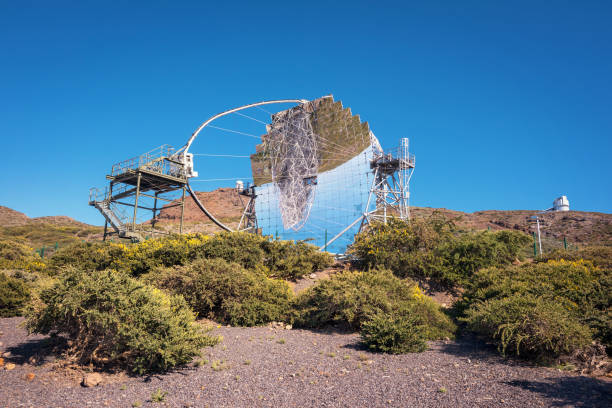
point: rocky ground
(275, 367)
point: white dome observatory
(561, 204)
(239, 186)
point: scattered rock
(30, 376)
(32, 360)
(1, 362)
(312, 276)
(288, 327)
(91, 380)
(6, 354)
(9, 366)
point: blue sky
(507, 104)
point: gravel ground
(273, 367)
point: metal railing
(157, 160)
(96, 195)
(399, 153)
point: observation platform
(158, 166)
(393, 161)
(150, 175)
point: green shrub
(240, 247)
(289, 260)
(15, 255)
(399, 333)
(406, 248)
(351, 298)
(528, 325)
(583, 290)
(113, 319)
(432, 248)
(87, 256)
(467, 253)
(14, 294)
(283, 259)
(226, 292)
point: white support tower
(390, 187)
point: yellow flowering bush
(282, 259)
(15, 255)
(600, 256)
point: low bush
(399, 333)
(292, 260)
(112, 319)
(582, 290)
(406, 248)
(282, 259)
(15, 255)
(135, 259)
(38, 233)
(531, 326)
(239, 247)
(465, 254)
(87, 256)
(226, 292)
(433, 248)
(14, 294)
(353, 298)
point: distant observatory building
(560, 204)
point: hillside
(224, 203)
(44, 231)
(579, 227)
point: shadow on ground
(470, 346)
(36, 351)
(571, 391)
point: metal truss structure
(390, 188)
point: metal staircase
(113, 215)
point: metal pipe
(539, 236)
(342, 232)
(182, 211)
(204, 210)
(154, 212)
(136, 201)
(227, 112)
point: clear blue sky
(507, 104)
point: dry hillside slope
(44, 231)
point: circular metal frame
(185, 149)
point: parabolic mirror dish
(312, 172)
